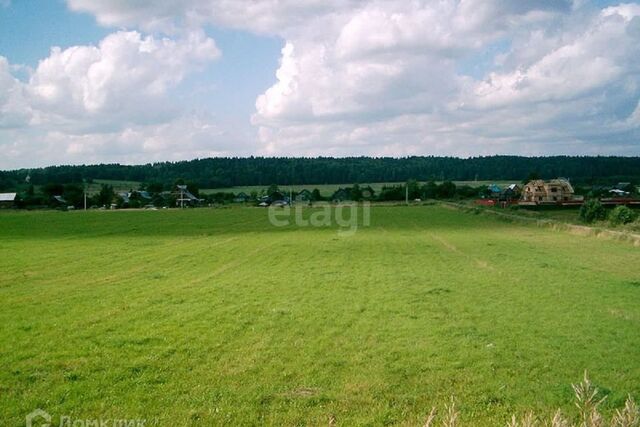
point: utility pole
(85, 193)
(406, 193)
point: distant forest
(228, 172)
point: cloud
(261, 16)
(88, 100)
(389, 81)
(377, 77)
(186, 136)
(124, 79)
(14, 109)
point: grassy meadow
(215, 316)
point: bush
(622, 215)
(592, 210)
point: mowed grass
(213, 316)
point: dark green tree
(532, 176)
(273, 188)
(429, 190)
(592, 210)
(52, 189)
(356, 193)
(414, 189)
(446, 190)
(105, 195)
(74, 195)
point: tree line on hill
(229, 172)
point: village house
(511, 193)
(7, 200)
(241, 197)
(367, 193)
(59, 201)
(340, 195)
(303, 196)
(185, 198)
(547, 192)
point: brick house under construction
(554, 191)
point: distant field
(328, 189)
(214, 316)
(325, 189)
(118, 186)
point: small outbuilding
(241, 197)
(511, 193)
(7, 200)
(303, 196)
(341, 195)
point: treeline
(228, 172)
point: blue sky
(111, 81)
(28, 29)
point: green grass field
(118, 186)
(214, 316)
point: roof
(185, 194)
(125, 196)
(7, 197)
(620, 192)
(59, 199)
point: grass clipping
(586, 400)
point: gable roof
(125, 196)
(185, 194)
(341, 194)
(7, 197)
(494, 188)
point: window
(554, 190)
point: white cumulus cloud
(377, 77)
(88, 100)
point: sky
(85, 81)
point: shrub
(622, 215)
(592, 210)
